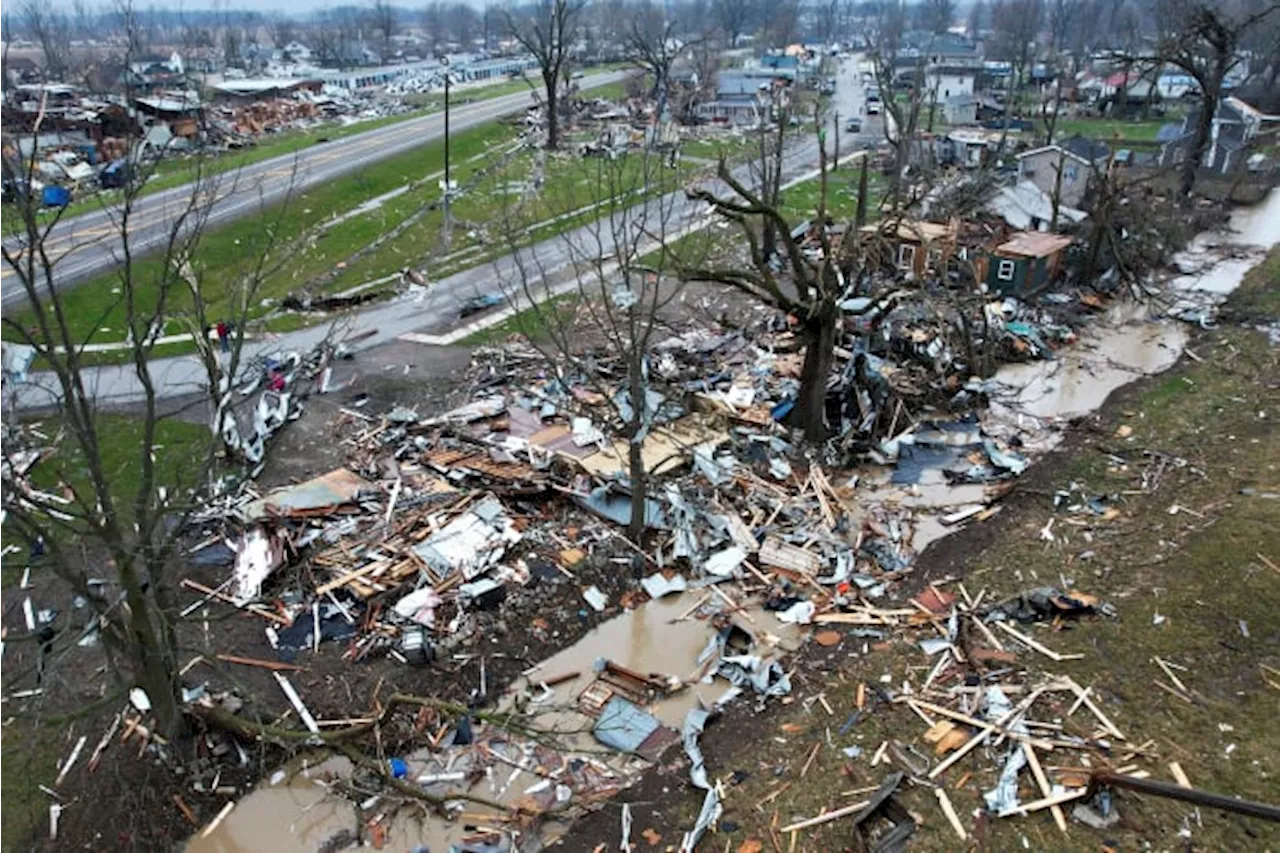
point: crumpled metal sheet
(1004, 796)
(766, 679)
(694, 723)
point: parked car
(853, 125)
(114, 175)
(476, 304)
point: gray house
(1235, 124)
(738, 98)
(1075, 158)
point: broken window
(907, 257)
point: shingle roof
(1086, 148)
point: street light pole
(448, 184)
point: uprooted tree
(547, 29)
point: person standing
(224, 342)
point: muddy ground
(1196, 568)
(1191, 458)
(128, 803)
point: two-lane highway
(89, 244)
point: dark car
(476, 304)
(15, 189)
(114, 175)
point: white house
(949, 81)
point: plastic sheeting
(694, 723)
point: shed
(1025, 262)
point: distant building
(950, 81)
(737, 100)
(1075, 159)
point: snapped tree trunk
(819, 333)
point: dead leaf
(1124, 431)
(751, 845)
(652, 836)
(791, 728)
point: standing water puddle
(1034, 401)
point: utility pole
(835, 163)
(448, 184)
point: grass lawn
(228, 253)
(327, 257)
(1098, 128)
(800, 202)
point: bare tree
(1062, 15)
(735, 18)
(809, 285)
(433, 23)
(547, 32)
(936, 16)
(902, 122)
(1204, 39)
(782, 26)
(282, 29)
(385, 18)
(491, 24)
(463, 24)
(620, 284)
(653, 46)
(1016, 24)
(52, 31)
(978, 18)
(91, 520)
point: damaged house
(917, 247)
(1023, 264)
(1236, 126)
(1063, 169)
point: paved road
(88, 244)
(434, 313)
